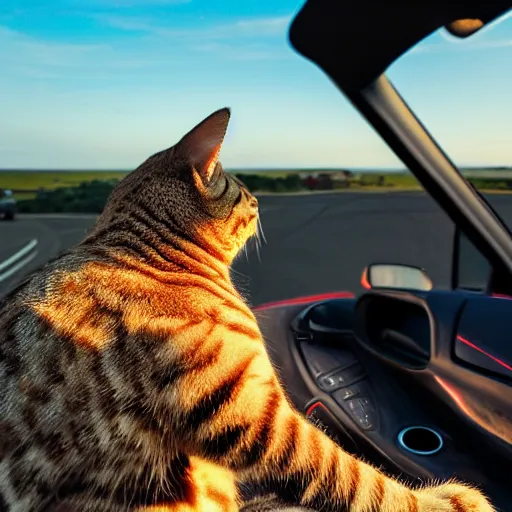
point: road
(315, 243)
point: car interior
(414, 379)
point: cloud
(233, 40)
(35, 58)
(452, 45)
(252, 27)
(18, 47)
(128, 23)
(154, 47)
(252, 51)
(26, 59)
(261, 26)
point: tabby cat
(133, 376)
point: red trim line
(364, 280)
(315, 406)
(475, 347)
(304, 300)
(501, 296)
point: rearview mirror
(391, 275)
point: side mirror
(391, 275)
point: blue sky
(105, 83)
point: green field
(279, 173)
(53, 179)
(401, 180)
(26, 183)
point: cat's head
(186, 189)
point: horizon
(272, 169)
(102, 85)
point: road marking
(18, 260)
(18, 266)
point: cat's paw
(454, 497)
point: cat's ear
(201, 145)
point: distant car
(7, 205)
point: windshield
(90, 93)
(461, 90)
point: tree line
(91, 196)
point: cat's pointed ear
(202, 144)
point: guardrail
(18, 260)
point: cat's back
(83, 322)
(83, 303)
(38, 349)
(63, 383)
(74, 307)
(24, 326)
(36, 362)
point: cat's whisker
(258, 249)
(241, 274)
(258, 237)
(260, 229)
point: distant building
(326, 180)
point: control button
(361, 410)
(345, 393)
(341, 378)
(352, 391)
(321, 360)
(329, 383)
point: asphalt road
(315, 243)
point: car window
(462, 92)
(90, 92)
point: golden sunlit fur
(134, 377)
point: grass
(278, 173)
(20, 195)
(25, 183)
(401, 181)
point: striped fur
(133, 376)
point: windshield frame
(381, 104)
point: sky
(103, 84)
